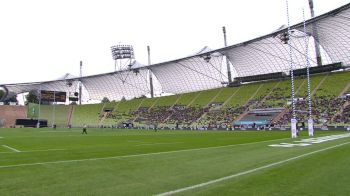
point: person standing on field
(84, 129)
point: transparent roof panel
(208, 69)
(116, 85)
(191, 74)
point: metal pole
(38, 123)
(310, 120)
(293, 119)
(149, 72)
(227, 61)
(54, 109)
(149, 55)
(80, 83)
(315, 35)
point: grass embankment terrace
(134, 162)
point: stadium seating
(186, 99)
(89, 114)
(58, 116)
(167, 100)
(225, 94)
(333, 84)
(205, 97)
(217, 108)
(324, 109)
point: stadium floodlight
(122, 52)
(69, 83)
(136, 71)
(284, 37)
(207, 58)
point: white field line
(13, 149)
(249, 171)
(1, 137)
(44, 150)
(128, 156)
(151, 144)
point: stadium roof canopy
(207, 69)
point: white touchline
(128, 156)
(43, 150)
(13, 149)
(248, 171)
(25, 151)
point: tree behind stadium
(32, 97)
(1, 94)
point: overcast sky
(44, 39)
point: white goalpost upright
(293, 120)
(310, 120)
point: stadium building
(238, 85)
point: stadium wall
(9, 114)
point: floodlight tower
(227, 61)
(123, 56)
(315, 35)
(149, 71)
(293, 119)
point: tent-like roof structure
(208, 69)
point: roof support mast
(227, 61)
(149, 72)
(80, 85)
(315, 35)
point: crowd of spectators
(175, 115)
(185, 115)
(223, 117)
(344, 116)
(276, 99)
(115, 115)
(325, 110)
(153, 115)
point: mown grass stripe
(249, 171)
(166, 143)
(135, 155)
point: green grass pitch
(140, 162)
